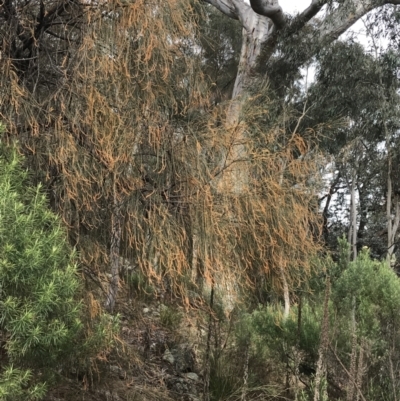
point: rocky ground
(156, 358)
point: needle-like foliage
(111, 108)
(40, 317)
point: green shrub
(40, 317)
(273, 336)
(139, 286)
(170, 317)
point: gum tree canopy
(276, 44)
(265, 26)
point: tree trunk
(207, 358)
(115, 246)
(234, 166)
(286, 295)
(353, 358)
(352, 234)
(245, 372)
(323, 346)
(392, 222)
(360, 368)
(264, 22)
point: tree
(366, 298)
(359, 89)
(277, 46)
(110, 103)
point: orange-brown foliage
(108, 101)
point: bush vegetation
(42, 325)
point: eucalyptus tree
(358, 92)
(274, 44)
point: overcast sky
(291, 6)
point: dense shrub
(41, 328)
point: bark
(115, 246)
(351, 385)
(256, 32)
(245, 372)
(323, 346)
(360, 368)
(325, 213)
(286, 296)
(354, 216)
(392, 221)
(207, 358)
(352, 233)
(363, 213)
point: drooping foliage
(110, 104)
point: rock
(192, 376)
(116, 370)
(146, 310)
(108, 395)
(187, 389)
(168, 357)
(184, 358)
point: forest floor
(156, 358)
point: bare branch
(325, 32)
(311, 11)
(342, 18)
(272, 11)
(226, 7)
(245, 13)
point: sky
(292, 6)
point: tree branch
(272, 11)
(342, 18)
(226, 7)
(322, 34)
(245, 13)
(310, 12)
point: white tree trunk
(286, 295)
(234, 166)
(392, 221)
(354, 216)
(352, 233)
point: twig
(348, 373)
